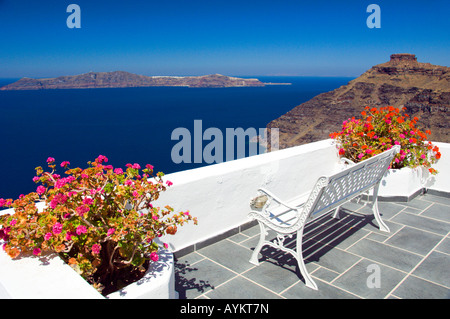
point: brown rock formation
(423, 88)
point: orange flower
(72, 261)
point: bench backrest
(332, 191)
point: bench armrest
(278, 200)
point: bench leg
(336, 214)
(301, 264)
(376, 212)
(262, 237)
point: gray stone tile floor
(348, 258)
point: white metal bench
(328, 194)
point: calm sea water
(129, 125)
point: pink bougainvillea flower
(47, 236)
(13, 222)
(36, 251)
(69, 235)
(101, 159)
(136, 166)
(81, 230)
(65, 163)
(150, 167)
(361, 155)
(50, 160)
(128, 182)
(88, 201)
(81, 210)
(397, 143)
(110, 232)
(135, 194)
(2, 202)
(35, 179)
(169, 183)
(154, 256)
(166, 245)
(58, 199)
(57, 228)
(402, 136)
(118, 171)
(96, 249)
(63, 181)
(53, 204)
(40, 190)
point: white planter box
(50, 277)
(158, 282)
(404, 183)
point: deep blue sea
(129, 125)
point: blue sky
(179, 37)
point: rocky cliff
(423, 88)
(121, 79)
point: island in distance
(122, 79)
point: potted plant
(100, 220)
(378, 130)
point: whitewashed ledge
(49, 277)
(218, 195)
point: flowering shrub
(100, 220)
(381, 129)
